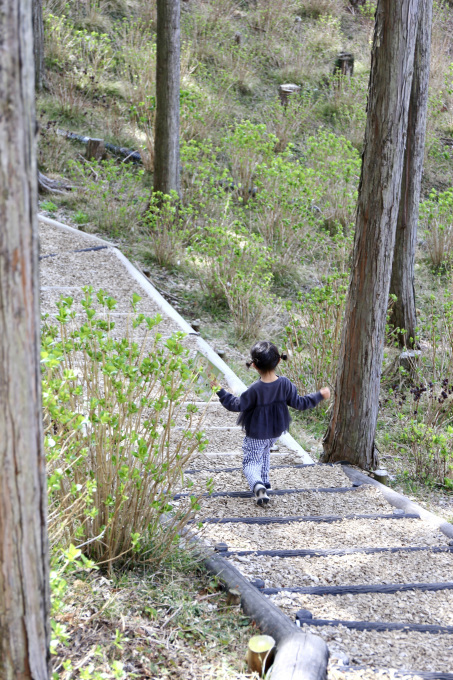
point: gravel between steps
(234, 459)
(362, 500)
(393, 649)
(296, 478)
(355, 569)
(408, 607)
(313, 535)
(334, 673)
(56, 240)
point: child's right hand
(325, 392)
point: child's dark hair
(265, 356)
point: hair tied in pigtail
(284, 356)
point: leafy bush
(416, 405)
(164, 222)
(115, 193)
(429, 448)
(247, 146)
(234, 265)
(205, 186)
(89, 54)
(313, 335)
(115, 457)
(337, 165)
(436, 216)
(283, 209)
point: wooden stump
(95, 150)
(260, 653)
(285, 91)
(344, 64)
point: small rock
(303, 615)
(221, 353)
(339, 657)
(258, 583)
(220, 547)
(196, 325)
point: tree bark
(353, 422)
(24, 593)
(166, 143)
(402, 283)
(38, 43)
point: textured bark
(402, 283)
(166, 144)
(38, 43)
(24, 596)
(353, 422)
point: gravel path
(414, 567)
(377, 652)
(310, 477)
(350, 533)
(300, 504)
(393, 649)
(413, 606)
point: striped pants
(256, 461)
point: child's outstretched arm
(308, 401)
(229, 401)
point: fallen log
(299, 656)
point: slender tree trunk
(353, 422)
(38, 43)
(402, 282)
(24, 594)
(166, 143)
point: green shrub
(337, 166)
(206, 187)
(115, 458)
(234, 265)
(48, 206)
(88, 54)
(283, 209)
(313, 335)
(436, 216)
(164, 227)
(114, 192)
(430, 450)
(247, 146)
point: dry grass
(171, 624)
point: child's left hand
(215, 384)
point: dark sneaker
(261, 496)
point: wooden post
(285, 91)
(344, 64)
(96, 150)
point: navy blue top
(264, 406)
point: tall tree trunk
(38, 43)
(353, 422)
(166, 143)
(24, 593)
(402, 282)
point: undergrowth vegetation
(115, 457)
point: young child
(264, 413)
